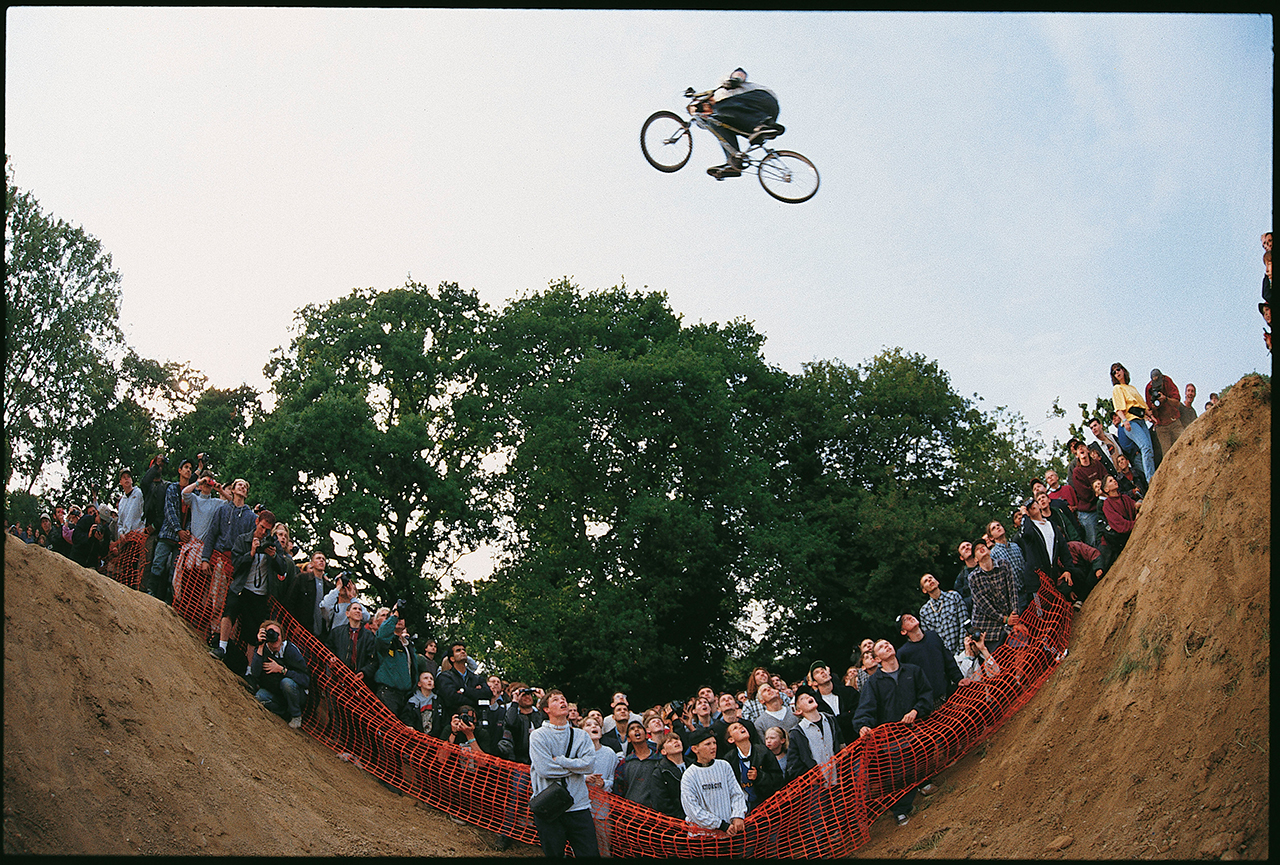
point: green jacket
(397, 664)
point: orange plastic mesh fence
(828, 812)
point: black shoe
(720, 172)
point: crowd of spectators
(709, 758)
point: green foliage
(638, 456)
(62, 302)
(890, 468)
(378, 434)
(216, 425)
(1102, 410)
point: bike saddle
(766, 131)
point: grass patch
(1124, 666)
(929, 842)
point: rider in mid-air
(742, 105)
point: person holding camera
(975, 661)
(278, 672)
(1164, 407)
(521, 719)
(89, 540)
(258, 576)
(397, 673)
(461, 686)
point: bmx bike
(667, 142)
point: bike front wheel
(666, 141)
(788, 176)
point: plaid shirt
(945, 616)
(995, 596)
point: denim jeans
(1089, 522)
(1141, 436)
(287, 704)
(162, 569)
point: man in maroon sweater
(1083, 474)
(1165, 409)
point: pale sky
(1023, 197)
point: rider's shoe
(720, 172)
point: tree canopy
(666, 507)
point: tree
(378, 435)
(62, 303)
(888, 468)
(636, 451)
(217, 425)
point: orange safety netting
(827, 812)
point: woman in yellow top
(1131, 408)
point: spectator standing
(775, 712)
(351, 642)
(89, 540)
(755, 767)
(995, 598)
(967, 563)
(397, 666)
(259, 567)
(230, 522)
(1083, 474)
(666, 780)
(423, 708)
(168, 541)
(1187, 408)
(306, 595)
(129, 514)
(461, 686)
(1164, 406)
(835, 699)
(709, 793)
(634, 778)
(343, 594)
(943, 613)
(1132, 409)
(899, 692)
(557, 755)
(926, 650)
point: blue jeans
(1089, 522)
(1140, 436)
(162, 569)
(287, 704)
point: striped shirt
(711, 795)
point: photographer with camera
(1164, 407)
(258, 576)
(522, 718)
(397, 674)
(460, 686)
(975, 661)
(89, 540)
(278, 672)
(462, 729)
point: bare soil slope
(122, 736)
(1152, 739)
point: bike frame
(709, 123)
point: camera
(676, 707)
(970, 631)
(272, 635)
(400, 607)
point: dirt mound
(1152, 738)
(122, 736)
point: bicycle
(667, 143)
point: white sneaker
(295, 723)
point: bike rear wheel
(788, 176)
(666, 141)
